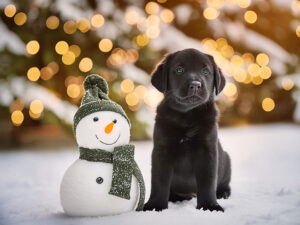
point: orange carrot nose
(109, 127)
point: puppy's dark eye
(95, 119)
(205, 71)
(179, 69)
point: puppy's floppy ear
(219, 79)
(160, 74)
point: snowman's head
(102, 130)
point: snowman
(105, 180)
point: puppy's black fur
(188, 159)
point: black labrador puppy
(188, 159)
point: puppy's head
(188, 78)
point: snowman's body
(85, 185)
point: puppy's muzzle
(194, 87)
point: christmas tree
(48, 47)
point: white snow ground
(265, 184)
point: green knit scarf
(124, 166)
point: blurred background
(48, 47)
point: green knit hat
(95, 99)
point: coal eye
(179, 69)
(205, 71)
(95, 119)
(115, 121)
(99, 180)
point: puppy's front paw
(149, 206)
(213, 207)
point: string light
(240, 75)
(153, 32)
(244, 3)
(142, 40)
(105, 45)
(127, 86)
(75, 49)
(210, 13)
(152, 8)
(230, 89)
(161, 1)
(10, 10)
(68, 58)
(287, 84)
(17, 117)
(257, 80)
(46, 73)
(54, 67)
(167, 15)
(97, 20)
(254, 69)
(83, 25)
(73, 90)
(34, 116)
(70, 27)
(132, 17)
(265, 72)
(36, 106)
(33, 74)
(85, 64)
(32, 47)
(61, 47)
(132, 99)
(140, 91)
(152, 20)
(250, 16)
(20, 18)
(268, 104)
(52, 22)
(262, 59)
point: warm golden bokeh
(230, 89)
(152, 8)
(17, 117)
(210, 13)
(132, 17)
(73, 90)
(68, 58)
(20, 18)
(85, 64)
(268, 104)
(132, 99)
(127, 86)
(32, 47)
(36, 106)
(287, 84)
(97, 21)
(83, 25)
(10, 10)
(105, 45)
(75, 49)
(52, 22)
(33, 74)
(262, 59)
(70, 27)
(167, 15)
(142, 40)
(250, 16)
(61, 47)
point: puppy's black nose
(195, 85)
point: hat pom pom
(95, 80)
